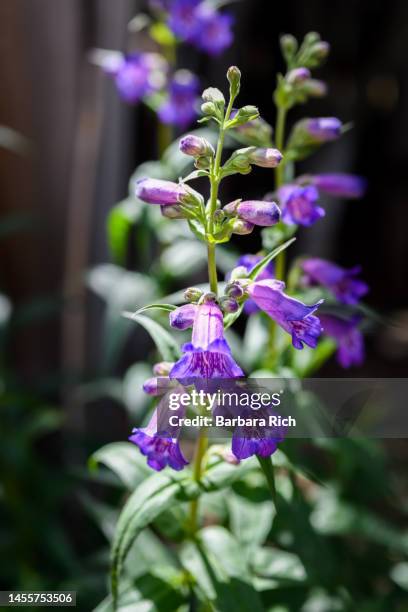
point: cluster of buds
(199, 148)
(311, 54)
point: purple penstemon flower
(342, 283)
(156, 191)
(136, 75)
(292, 315)
(337, 184)
(160, 446)
(182, 19)
(179, 107)
(348, 337)
(323, 129)
(213, 33)
(208, 355)
(256, 440)
(299, 205)
(259, 212)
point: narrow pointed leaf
(166, 344)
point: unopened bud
(259, 212)
(234, 290)
(234, 79)
(172, 212)
(228, 304)
(265, 157)
(208, 108)
(320, 51)
(208, 297)
(311, 38)
(231, 208)
(242, 227)
(196, 146)
(297, 76)
(219, 215)
(243, 115)
(314, 88)
(239, 272)
(289, 45)
(162, 368)
(151, 387)
(214, 95)
(192, 294)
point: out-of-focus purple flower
(299, 205)
(156, 191)
(179, 107)
(161, 447)
(323, 129)
(349, 339)
(200, 24)
(244, 447)
(342, 283)
(259, 212)
(214, 32)
(338, 184)
(183, 18)
(136, 75)
(183, 317)
(208, 355)
(292, 315)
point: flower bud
(297, 75)
(151, 387)
(182, 317)
(191, 196)
(156, 191)
(243, 115)
(202, 163)
(195, 146)
(289, 45)
(234, 290)
(314, 88)
(192, 294)
(214, 95)
(259, 212)
(234, 79)
(162, 368)
(265, 158)
(219, 215)
(208, 297)
(228, 304)
(242, 227)
(239, 272)
(231, 208)
(172, 212)
(323, 129)
(311, 38)
(319, 51)
(209, 108)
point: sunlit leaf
(165, 343)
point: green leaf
(119, 224)
(124, 460)
(158, 306)
(136, 402)
(280, 565)
(399, 574)
(250, 522)
(151, 498)
(221, 572)
(166, 344)
(256, 270)
(162, 34)
(183, 258)
(308, 361)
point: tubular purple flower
(208, 355)
(182, 19)
(259, 212)
(156, 191)
(151, 387)
(265, 158)
(179, 107)
(132, 79)
(299, 205)
(196, 146)
(323, 129)
(349, 339)
(183, 317)
(339, 184)
(160, 446)
(245, 444)
(342, 283)
(292, 315)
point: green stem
(212, 268)
(201, 447)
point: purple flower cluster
(342, 283)
(179, 105)
(201, 25)
(136, 75)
